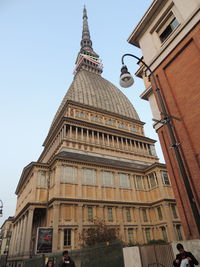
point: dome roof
(92, 90)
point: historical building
(168, 35)
(5, 236)
(96, 162)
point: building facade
(96, 163)
(168, 35)
(5, 237)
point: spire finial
(87, 58)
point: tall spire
(86, 43)
(87, 58)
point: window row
(67, 240)
(69, 174)
(110, 122)
(129, 215)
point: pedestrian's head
(180, 247)
(50, 263)
(65, 254)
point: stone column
(117, 142)
(76, 133)
(13, 237)
(108, 140)
(131, 145)
(113, 141)
(56, 216)
(80, 217)
(21, 235)
(24, 233)
(169, 229)
(93, 137)
(70, 132)
(127, 144)
(79, 186)
(29, 231)
(98, 141)
(120, 219)
(103, 140)
(140, 237)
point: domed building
(96, 163)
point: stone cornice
(113, 203)
(145, 21)
(106, 164)
(26, 171)
(84, 201)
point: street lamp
(1, 208)
(126, 80)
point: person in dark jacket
(66, 260)
(184, 255)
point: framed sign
(44, 240)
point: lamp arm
(163, 108)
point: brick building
(169, 37)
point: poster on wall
(44, 240)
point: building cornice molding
(26, 171)
(145, 21)
(107, 164)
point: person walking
(50, 263)
(184, 258)
(66, 260)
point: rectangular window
(110, 215)
(139, 182)
(130, 236)
(89, 176)
(164, 233)
(159, 213)
(169, 29)
(110, 122)
(179, 234)
(148, 235)
(152, 180)
(69, 174)
(97, 119)
(152, 150)
(122, 126)
(81, 115)
(107, 178)
(124, 180)
(174, 211)
(90, 213)
(133, 129)
(144, 213)
(42, 179)
(67, 237)
(128, 214)
(165, 178)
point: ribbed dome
(91, 89)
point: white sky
(39, 44)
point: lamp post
(126, 80)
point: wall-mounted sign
(44, 240)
